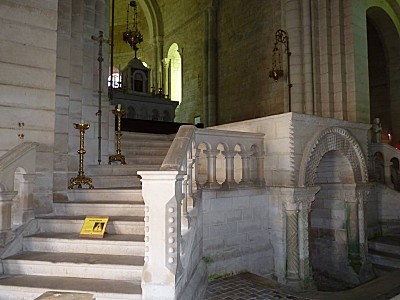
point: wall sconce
(281, 37)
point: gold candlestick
(81, 178)
(119, 112)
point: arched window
(175, 73)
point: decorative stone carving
(333, 138)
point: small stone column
(388, 179)
(353, 239)
(212, 169)
(362, 192)
(166, 75)
(292, 245)
(260, 170)
(305, 197)
(230, 170)
(245, 182)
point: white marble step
(129, 152)
(116, 244)
(113, 267)
(27, 287)
(116, 181)
(105, 194)
(144, 144)
(93, 170)
(147, 136)
(100, 208)
(145, 159)
(73, 224)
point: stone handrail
(173, 230)
(17, 173)
(385, 167)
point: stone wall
(246, 36)
(237, 232)
(27, 85)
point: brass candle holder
(118, 112)
(81, 178)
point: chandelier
(132, 36)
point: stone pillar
(260, 170)
(158, 54)
(362, 192)
(165, 75)
(230, 170)
(212, 169)
(353, 239)
(388, 180)
(305, 197)
(245, 182)
(292, 246)
(162, 194)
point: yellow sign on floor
(94, 227)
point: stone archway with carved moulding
(331, 139)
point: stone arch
(333, 138)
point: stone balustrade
(173, 226)
(385, 167)
(17, 173)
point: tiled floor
(244, 287)
(248, 286)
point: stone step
(100, 208)
(116, 181)
(29, 287)
(117, 244)
(147, 160)
(132, 152)
(144, 144)
(147, 136)
(118, 169)
(82, 265)
(73, 224)
(387, 244)
(384, 259)
(105, 194)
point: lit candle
(119, 106)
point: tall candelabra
(81, 178)
(118, 112)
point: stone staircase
(384, 253)
(57, 259)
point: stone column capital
(362, 192)
(304, 196)
(229, 153)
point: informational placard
(94, 227)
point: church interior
(215, 137)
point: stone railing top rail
(387, 150)
(188, 133)
(16, 153)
